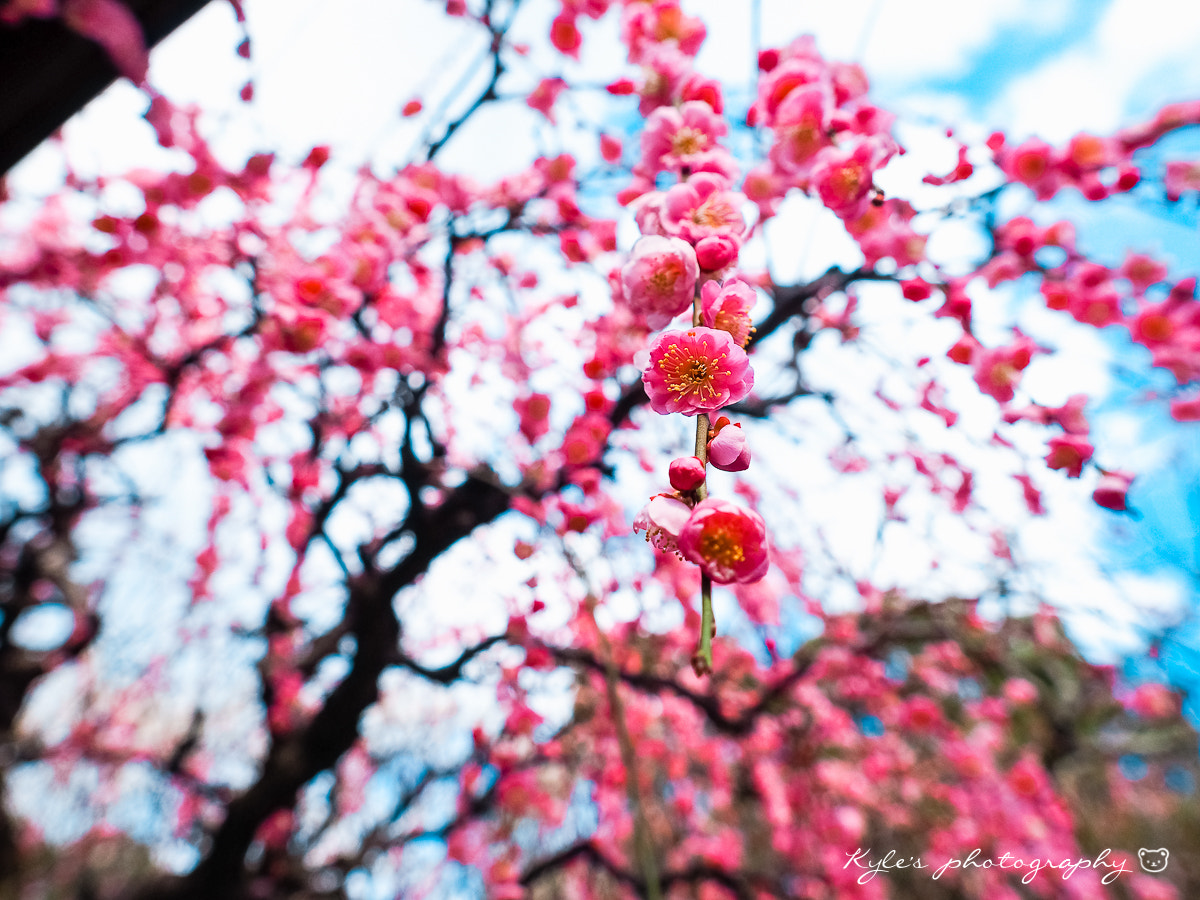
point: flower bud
(686, 473)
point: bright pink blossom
(1181, 177)
(703, 206)
(542, 97)
(565, 36)
(1069, 452)
(1142, 271)
(647, 25)
(728, 542)
(801, 128)
(1070, 416)
(660, 278)
(998, 370)
(662, 519)
(610, 148)
(843, 180)
(675, 139)
(727, 308)
(1186, 409)
(1032, 163)
(695, 371)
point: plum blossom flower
(1181, 176)
(675, 139)
(727, 449)
(998, 370)
(660, 278)
(800, 128)
(727, 308)
(647, 25)
(542, 97)
(728, 542)
(703, 206)
(1069, 452)
(662, 519)
(844, 179)
(695, 371)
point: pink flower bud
(727, 449)
(716, 252)
(1111, 490)
(686, 473)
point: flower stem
(702, 659)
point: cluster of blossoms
(685, 265)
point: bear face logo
(1153, 860)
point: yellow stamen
(721, 547)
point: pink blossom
(686, 473)
(801, 128)
(534, 411)
(1142, 271)
(843, 180)
(678, 139)
(542, 97)
(662, 519)
(1069, 452)
(1033, 497)
(665, 69)
(998, 370)
(696, 87)
(1186, 409)
(1033, 164)
(1111, 490)
(1181, 177)
(695, 371)
(565, 36)
(727, 449)
(703, 206)
(728, 542)
(660, 278)
(610, 148)
(727, 308)
(782, 80)
(1020, 691)
(1070, 416)
(1153, 701)
(647, 25)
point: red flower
(728, 542)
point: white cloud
(1141, 56)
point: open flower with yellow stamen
(696, 371)
(728, 542)
(703, 206)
